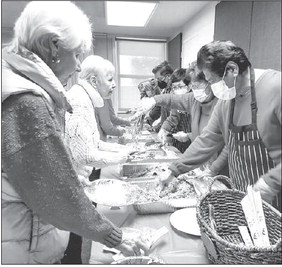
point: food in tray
(147, 154)
(142, 146)
(177, 189)
(152, 170)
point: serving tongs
(140, 123)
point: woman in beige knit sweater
(81, 131)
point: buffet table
(174, 248)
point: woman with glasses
(179, 122)
(199, 104)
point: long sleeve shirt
(83, 137)
(108, 121)
(189, 104)
(268, 97)
(38, 165)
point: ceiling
(166, 21)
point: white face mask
(181, 91)
(200, 95)
(222, 91)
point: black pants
(95, 175)
(73, 251)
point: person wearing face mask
(162, 73)
(176, 128)
(247, 119)
(199, 104)
(148, 88)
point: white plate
(181, 202)
(185, 220)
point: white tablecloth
(174, 248)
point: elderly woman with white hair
(81, 127)
(109, 123)
(42, 198)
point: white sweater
(82, 134)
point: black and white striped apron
(185, 126)
(248, 157)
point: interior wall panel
(265, 43)
(233, 22)
(174, 48)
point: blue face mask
(222, 91)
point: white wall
(197, 31)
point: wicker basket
(225, 245)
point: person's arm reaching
(37, 163)
(202, 148)
(153, 115)
(114, 118)
(105, 121)
(172, 121)
(180, 102)
(220, 162)
(170, 101)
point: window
(135, 61)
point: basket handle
(222, 178)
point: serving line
(174, 248)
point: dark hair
(193, 73)
(215, 55)
(178, 75)
(164, 68)
(149, 85)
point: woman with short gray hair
(81, 128)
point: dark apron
(185, 126)
(248, 157)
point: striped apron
(185, 126)
(248, 157)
